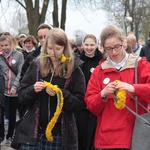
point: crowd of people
(40, 75)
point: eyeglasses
(117, 47)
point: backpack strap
(10, 67)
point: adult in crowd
(11, 62)
(136, 47)
(115, 126)
(56, 65)
(86, 121)
(127, 45)
(79, 45)
(30, 44)
(145, 51)
(21, 39)
(101, 49)
(42, 31)
(2, 89)
(72, 44)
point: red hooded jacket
(115, 126)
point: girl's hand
(109, 89)
(39, 86)
(50, 91)
(13, 91)
(125, 86)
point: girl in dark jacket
(86, 121)
(56, 65)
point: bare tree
(36, 11)
(137, 9)
(63, 14)
(19, 22)
(55, 13)
(35, 14)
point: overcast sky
(89, 22)
(92, 22)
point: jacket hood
(105, 63)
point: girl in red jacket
(115, 126)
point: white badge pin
(13, 61)
(92, 69)
(106, 81)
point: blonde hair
(7, 38)
(59, 37)
(109, 32)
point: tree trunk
(34, 16)
(63, 14)
(55, 14)
(136, 31)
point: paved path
(3, 146)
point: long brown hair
(59, 37)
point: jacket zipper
(49, 98)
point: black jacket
(86, 121)
(90, 63)
(73, 102)
(145, 51)
(29, 59)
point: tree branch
(21, 4)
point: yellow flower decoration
(62, 57)
(60, 102)
(119, 97)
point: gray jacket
(16, 60)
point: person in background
(9, 55)
(130, 32)
(42, 31)
(127, 45)
(6, 101)
(79, 46)
(101, 49)
(86, 121)
(15, 41)
(63, 73)
(145, 51)
(21, 39)
(115, 126)
(72, 44)
(30, 44)
(16, 47)
(141, 41)
(2, 89)
(136, 48)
